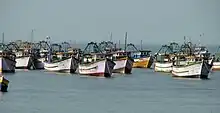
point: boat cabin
(121, 54)
(202, 51)
(141, 54)
(22, 53)
(182, 60)
(90, 58)
(43, 52)
(163, 58)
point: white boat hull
(23, 62)
(7, 65)
(216, 66)
(198, 70)
(123, 66)
(102, 68)
(68, 65)
(163, 67)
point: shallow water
(144, 91)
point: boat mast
(32, 35)
(126, 36)
(184, 39)
(141, 45)
(111, 37)
(50, 49)
(119, 43)
(3, 37)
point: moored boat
(200, 68)
(163, 67)
(61, 60)
(7, 60)
(42, 48)
(142, 58)
(94, 63)
(23, 62)
(216, 63)
(25, 57)
(216, 66)
(191, 63)
(163, 59)
(123, 63)
(3, 84)
(68, 64)
(92, 66)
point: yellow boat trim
(1, 79)
(4, 81)
(141, 64)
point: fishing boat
(61, 60)
(123, 62)
(216, 63)
(43, 48)
(65, 64)
(7, 60)
(93, 66)
(24, 60)
(3, 84)
(142, 58)
(187, 63)
(163, 58)
(192, 67)
(163, 63)
(94, 63)
(24, 54)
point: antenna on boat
(141, 45)
(126, 36)
(32, 35)
(119, 43)
(111, 37)
(218, 48)
(3, 37)
(50, 49)
(185, 39)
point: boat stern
(143, 62)
(123, 66)
(3, 84)
(109, 66)
(206, 68)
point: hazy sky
(153, 21)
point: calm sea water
(144, 91)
